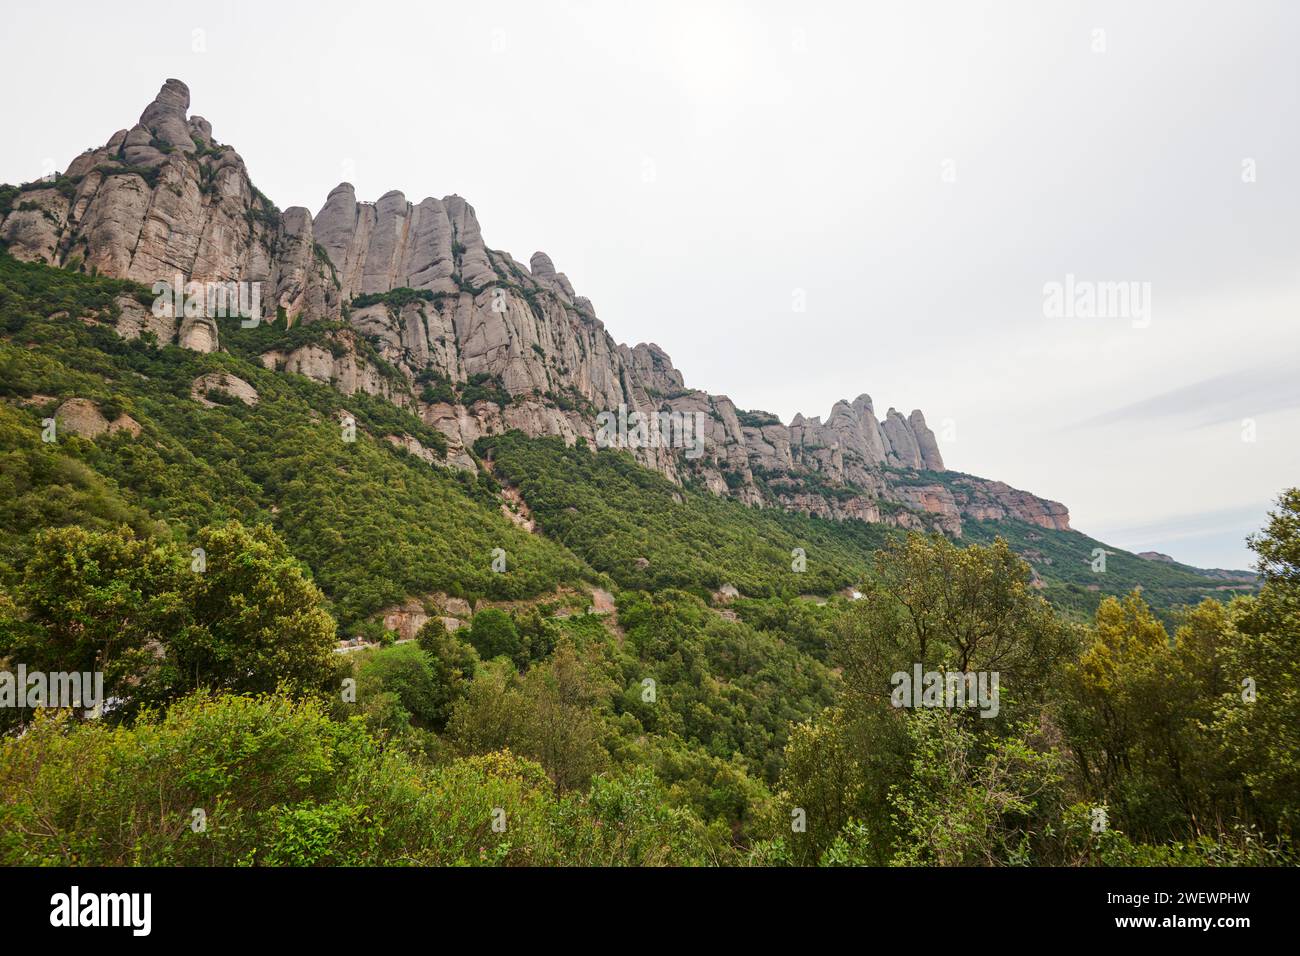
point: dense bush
(244, 781)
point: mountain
(647, 652)
(1240, 577)
(473, 341)
(404, 302)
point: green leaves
(248, 620)
(1278, 545)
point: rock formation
(163, 198)
(222, 384)
(421, 312)
(82, 417)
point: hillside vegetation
(372, 522)
(1064, 560)
(208, 563)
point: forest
(728, 704)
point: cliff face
(163, 198)
(420, 289)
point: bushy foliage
(239, 614)
(648, 534)
(1137, 746)
(241, 781)
(372, 523)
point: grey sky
(918, 170)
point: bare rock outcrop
(223, 384)
(424, 314)
(986, 500)
(163, 199)
(82, 417)
(198, 333)
(931, 459)
(337, 361)
(413, 446)
(135, 319)
(405, 619)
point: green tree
(257, 622)
(1278, 545)
(946, 608)
(493, 634)
(160, 623)
(1258, 717)
(1135, 709)
(951, 608)
(967, 804)
(823, 781)
(96, 601)
(424, 679)
(405, 672)
(453, 662)
(550, 714)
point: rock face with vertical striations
(418, 310)
(163, 198)
(931, 459)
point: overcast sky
(913, 173)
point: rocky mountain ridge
(467, 338)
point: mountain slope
(469, 339)
(374, 522)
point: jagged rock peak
(541, 266)
(376, 247)
(852, 429)
(173, 94)
(925, 441)
(163, 197)
(543, 270)
(654, 368)
(165, 117)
